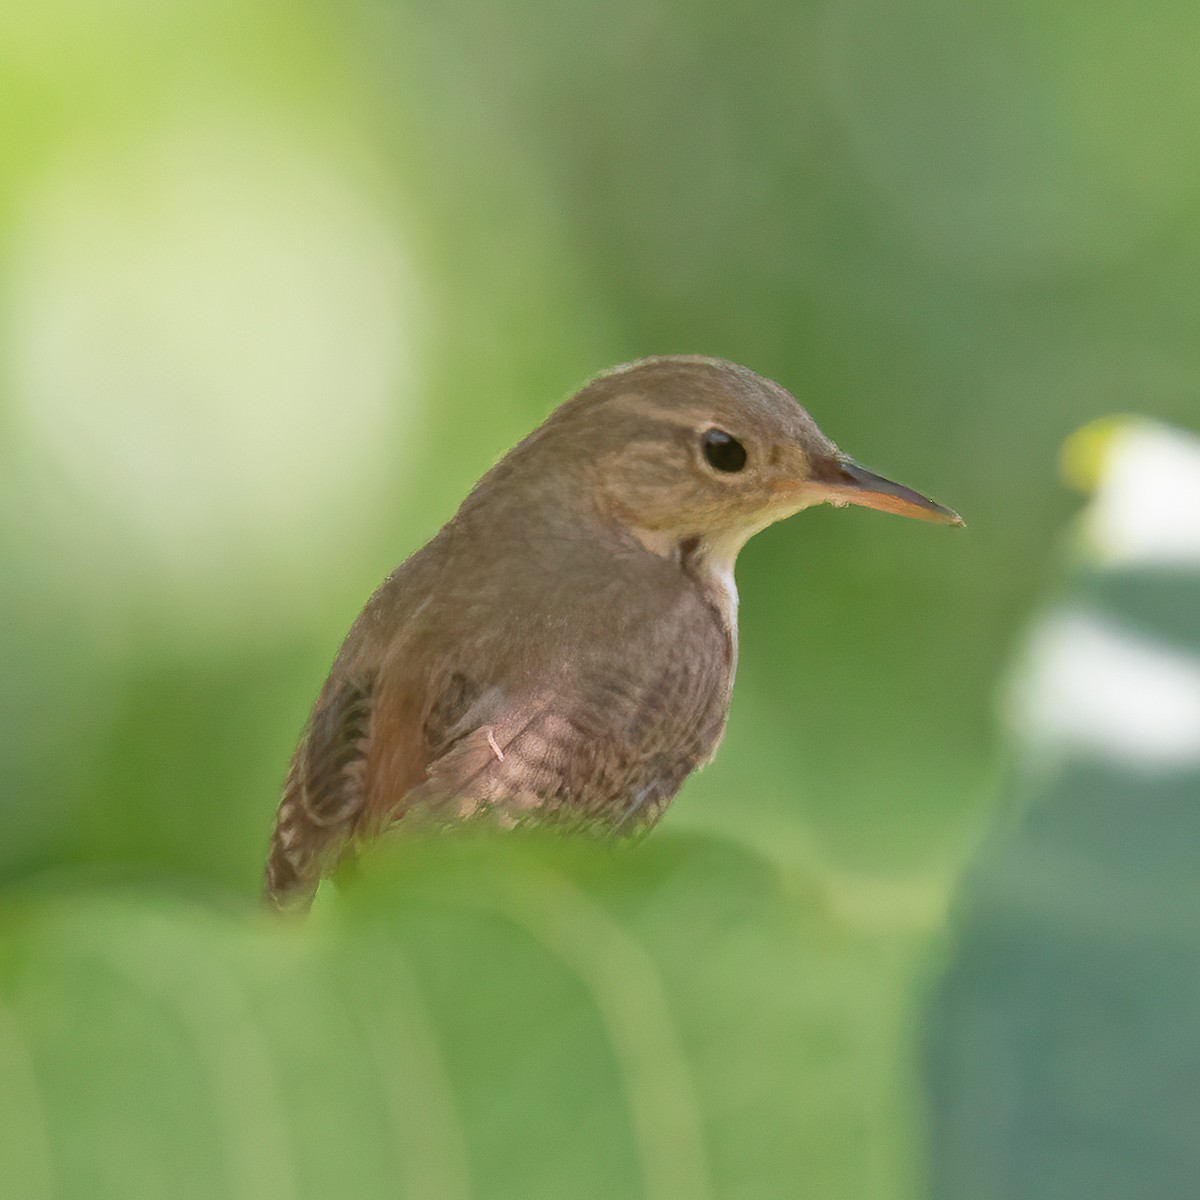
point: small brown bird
(564, 649)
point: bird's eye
(723, 451)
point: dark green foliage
(1062, 1049)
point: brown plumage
(564, 649)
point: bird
(563, 650)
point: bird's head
(681, 448)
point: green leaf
(502, 1017)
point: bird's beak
(843, 481)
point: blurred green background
(280, 280)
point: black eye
(723, 451)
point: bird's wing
(325, 793)
(366, 747)
(375, 752)
(511, 758)
(543, 760)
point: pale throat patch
(714, 557)
(716, 561)
(713, 560)
(717, 555)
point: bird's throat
(712, 567)
(708, 562)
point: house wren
(564, 649)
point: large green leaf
(496, 1017)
